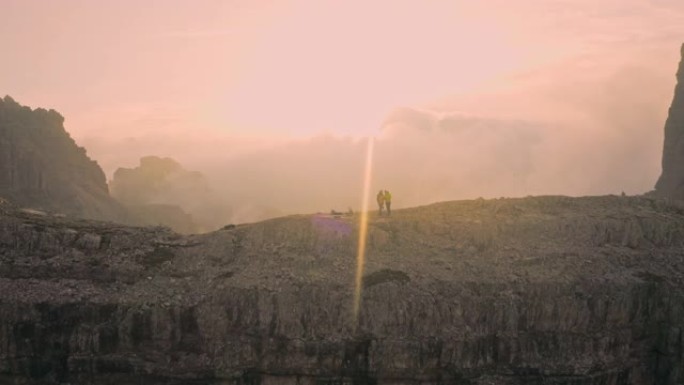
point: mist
(274, 103)
(587, 135)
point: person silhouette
(388, 202)
(381, 201)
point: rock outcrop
(161, 191)
(671, 181)
(42, 167)
(156, 180)
(547, 290)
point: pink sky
(212, 73)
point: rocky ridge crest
(43, 168)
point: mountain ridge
(42, 167)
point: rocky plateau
(543, 290)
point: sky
(217, 83)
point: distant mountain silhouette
(43, 168)
(161, 191)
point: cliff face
(547, 290)
(42, 167)
(671, 182)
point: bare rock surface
(671, 181)
(543, 290)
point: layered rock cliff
(671, 181)
(547, 290)
(43, 168)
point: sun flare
(363, 230)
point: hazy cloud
(503, 98)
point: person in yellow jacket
(388, 202)
(381, 201)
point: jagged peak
(8, 99)
(47, 114)
(45, 168)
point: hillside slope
(551, 290)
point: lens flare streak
(363, 230)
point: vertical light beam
(363, 230)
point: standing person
(388, 202)
(381, 201)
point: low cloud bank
(587, 134)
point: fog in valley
(599, 137)
(267, 110)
